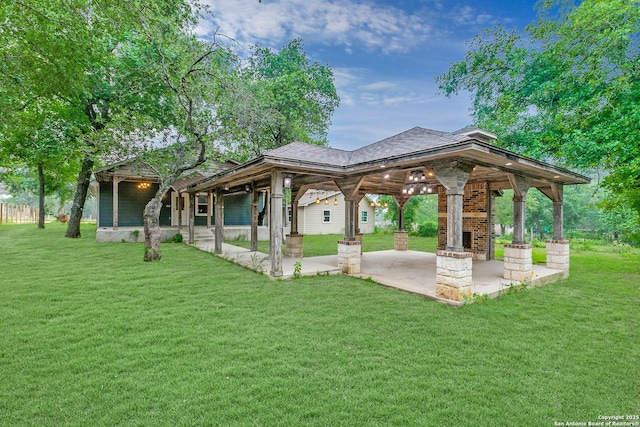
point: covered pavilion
(464, 168)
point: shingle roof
(413, 140)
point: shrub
(176, 239)
(427, 229)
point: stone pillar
(517, 263)
(400, 240)
(219, 221)
(294, 245)
(275, 223)
(558, 255)
(254, 218)
(453, 275)
(349, 256)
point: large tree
(72, 51)
(280, 97)
(568, 88)
(42, 140)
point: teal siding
(132, 200)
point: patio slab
(409, 271)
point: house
(124, 189)
(323, 212)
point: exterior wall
(131, 203)
(132, 200)
(477, 218)
(310, 217)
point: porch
(409, 271)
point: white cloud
(332, 22)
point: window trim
(364, 216)
(198, 204)
(324, 217)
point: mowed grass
(91, 335)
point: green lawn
(91, 335)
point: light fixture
(372, 204)
(335, 201)
(379, 204)
(287, 181)
(386, 204)
(317, 200)
(556, 176)
(226, 187)
(326, 201)
(144, 185)
(429, 190)
(247, 188)
(430, 173)
(508, 164)
(386, 176)
(404, 191)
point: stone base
(453, 275)
(294, 245)
(349, 256)
(401, 240)
(558, 254)
(517, 263)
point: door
(176, 208)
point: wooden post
(192, 217)
(254, 218)
(209, 210)
(275, 223)
(180, 204)
(219, 221)
(520, 185)
(1, 208)
(116, 182)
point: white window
(326, 216)
(202, 205)
(364, 216)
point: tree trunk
(41, 196)
(82, 186)
(152, 229)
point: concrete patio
(409, 271)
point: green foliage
(427, 229)
(278, 98)
(567, 89)
(417, 210)
(297, 270)
(177, 238)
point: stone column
(453, 265)
(219, 221)
(349, 256)
(453, 275)
(518, 265)
(558, 247)
(400, 240)
(275, 224)
(254, 218)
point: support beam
(209, 209)
(192, 217)
(219, 221)
(254, 218)
(453, 176)
(520, 185)
(179, 201)
(275, 224)
(116, 183)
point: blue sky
(384, 54)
